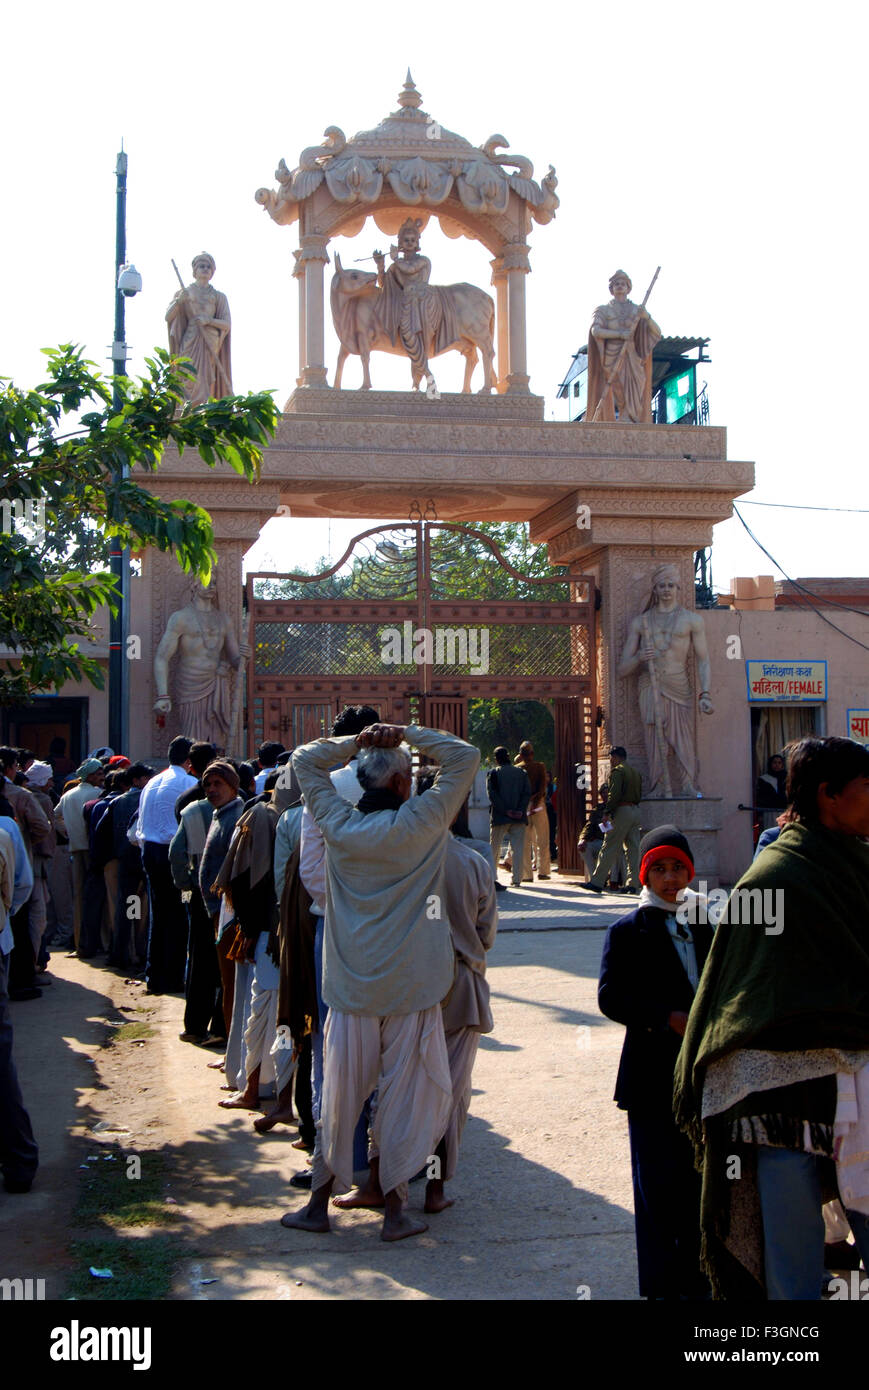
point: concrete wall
(725, 737)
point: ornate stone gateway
(625, 502)
(384, 627)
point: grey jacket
(387, 947)
(214, 853)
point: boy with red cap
(650, 970)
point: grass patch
(109, 1203)
(128, 1032)
(110, 1198)
(141, 1269)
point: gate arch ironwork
(382, 627)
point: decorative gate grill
(384, 627)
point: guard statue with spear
(199, 328)
(666, 646)
(620, 345)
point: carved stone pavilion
(653, 492)
(411, 163)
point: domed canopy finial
(409, 96)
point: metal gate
(389, 625)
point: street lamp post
(128, 282)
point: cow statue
(400, 312)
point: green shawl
(802, 988)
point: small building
(677, 397)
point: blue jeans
(317, 1038)
(233, 1065)
(789, 1185)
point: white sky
(724, 141)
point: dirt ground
(543, 1204)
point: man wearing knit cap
(649, 974)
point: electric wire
(824, 619)
(804, 507)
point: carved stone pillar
(299, 276)
(499, 280)
(312, 258)
(516, 266)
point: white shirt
(260, 780)
(684, 943)
(312, 858)
(70, 813)
(157, 805)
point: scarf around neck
(379, 799)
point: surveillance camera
(129, 280)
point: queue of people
(344, 985)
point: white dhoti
(404, 1058)
(462, 1053)
(281, 1053)
(262, 1020)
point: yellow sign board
(786, 682)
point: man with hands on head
(388, 958)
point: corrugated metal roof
(666, 354)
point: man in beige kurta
(473, 915)
(388, 959)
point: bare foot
(216, 1066)
(400, 1227)
(239, 1102)
(302, 1221)
(303, 1145)
(360, 1197)
(435, 1200)
(277, 1116)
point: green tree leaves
(69, 449)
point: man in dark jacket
(537, 834)
(649, 973)
(130, 883)
(509, 792)
(623, 815)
